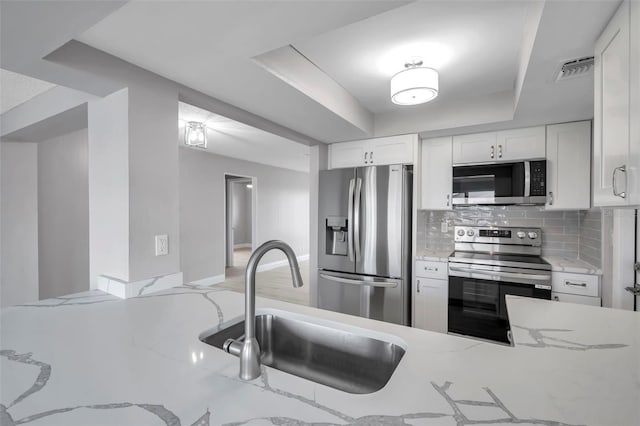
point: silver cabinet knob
(521, 234)
(533, 235)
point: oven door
(477, 306)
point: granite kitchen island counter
(90, 359)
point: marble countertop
(90, 358)
(434, 255)
(568, 264)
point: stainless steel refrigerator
(364, 251)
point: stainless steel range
(489, 263)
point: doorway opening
(240, 222)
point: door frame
(254, 215)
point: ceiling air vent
(576, 68)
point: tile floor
(273, 284)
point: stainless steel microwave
(522, 182)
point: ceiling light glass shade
(195, 134)
(413, 86)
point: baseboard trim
(127, 290)
(273, 265)
(216, 279)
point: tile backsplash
(591, 237)
(574, 234)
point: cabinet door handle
(550, 198)
(418, 286)
(371, 157)
(365, 157)
(614, 182)
(448, 199)
(493, 151)
(499, 151)
(567, 282)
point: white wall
(63, 215)
(108, 183)
(19, 223)
(282, 210)
(133, 181)
(153, 178)
(318, 161)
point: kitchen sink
(343, 357)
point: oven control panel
(498, 235)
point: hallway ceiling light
(195, 134)
(415, 84)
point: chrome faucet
(250, 350)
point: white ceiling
(496, 58)
(233, 139)
(16, 89)
(473, 45)
(209, 46)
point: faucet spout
(250, 352)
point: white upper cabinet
(348, 154)
(520, 144)
(505, 145)
(616, 138)
(392, 149)
(568, 166)
(475, 148)
(373, 152)
(437, 174)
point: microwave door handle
(350, 220)
(527, 178)
(500, 274)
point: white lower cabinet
(431, 296)
(576, 288)
(573, 298)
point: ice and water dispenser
(336, 227)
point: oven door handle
(374, 283)
(502, 274)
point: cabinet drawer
(580, 284)
(430, 269)
(573, 298)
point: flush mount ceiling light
(195, 134)
(415, 84)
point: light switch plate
(444, 226)
(162, 245)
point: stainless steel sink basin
(347, 358)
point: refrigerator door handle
(350, 220)
(385, 284)
(356, 218)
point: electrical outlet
(162, 245)
(444, 226)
